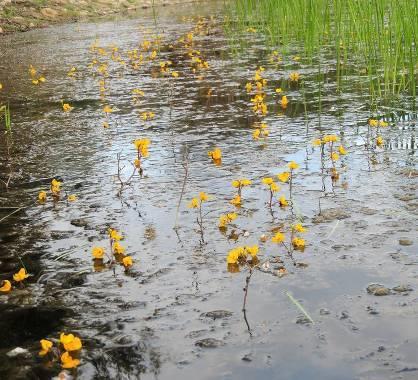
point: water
(145, 324)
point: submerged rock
(402, 288)
(18, 351)
(80, 222)
(378, 290)
(330, 215)
(209, 343)
(217, 314)
(405, 241)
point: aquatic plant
(379, 37)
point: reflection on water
(146, 324)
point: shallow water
(145, 324)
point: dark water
(145, 324)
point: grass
(376, 37)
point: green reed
(373, 38)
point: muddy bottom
(178, 311)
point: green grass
(379, 37)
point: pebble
(209, 343)
(378, 290)
(405, 241)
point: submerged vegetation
(374, 39)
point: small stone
(402, 288)
(324, 311)
(405, 241)
(247, 358)
(217, 314)
(381, 349)
(302, 320)
(49, 12)
(18, 351)
(209, 343)
(79, 222)
(378, 290)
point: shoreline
(25, 15)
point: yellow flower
(274, 187)
(245, 182)
(284, 101)
(373, 122)
(42, 196)
(278, 238)
(46, 345)
(298, 243)
(235, 183)
(72, 198)
(231, 216)
(283, 202)
(223, 221)
(127, 261)
(216, 154)
(278, 90)
(330, 138)
(55, 183)
(41, 79)
(142, 146)
(98, 252)
(267, 181)
(7, 286)
(335, 156)
(66, 107)
(21, 275)
(283, 177)
(114, 235)
(68, 362)
(175, 74)
(252, 250)
(317, 142)
(70, 342)
(194, 203)
(236, 201)
(383, 124)
(234, 255)
(203, 196)
(379, 141)
(294, 77)
(137, 163)
(342, 150)
(292, 165)
(118, 249)
(249, 87)
(256, 134)
(107, 109)
(299, 228)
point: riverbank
(23, 15)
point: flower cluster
(67, 349)
(18, 277)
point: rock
(247, 358)
(402, 288)
(18, 351)
(330, 215)
(372, 311)
(302, 320)
(378, 290)
(209, 343)
(49, 12)
(216, 314)
(405, 241)
(79, 222)
(324, 311)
